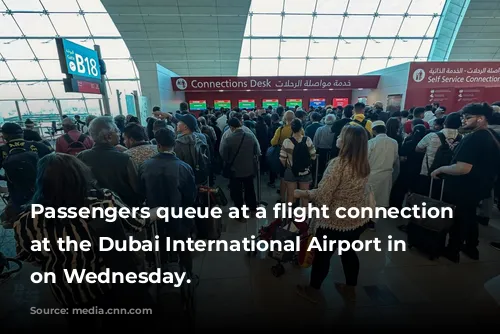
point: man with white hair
(111, 168)
(323, 141)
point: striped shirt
(286, 153)
(28, 229)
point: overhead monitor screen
(317, 102)
(222, 104)
(197, 105)
(246, 104)
(293, 102)
(270, 102)
(340, 101)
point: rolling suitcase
(428, 234)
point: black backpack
(444, 153)
(363, 124)
(201, 159)
(75, 147)
(301, 158)
(20, 166)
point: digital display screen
(317, 102)
(198, 105)
(340, 101)
(293, 102)
(222, 104)
(270, 102)
(246, 104)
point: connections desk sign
(77, 60)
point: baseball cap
(378, 123)
(478, 109)
(12, 129)
(189, 120)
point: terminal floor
(396, 289)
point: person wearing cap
(187, 137)
(239, 152)
(14, 137)
(71, 134)
(384, 164)
(470, 179)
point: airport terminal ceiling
(29, 67)
(229, 38)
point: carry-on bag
(208, 228)
(429, 234)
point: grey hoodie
(185, 147)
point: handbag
(226, 171)
(306, 257)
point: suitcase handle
(442, 189)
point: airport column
(104, 90)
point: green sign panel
(222, 104)
(293, 102)
(198, 105)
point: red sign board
(465, 96)
(273, 83)
(340, 101)
(454, 74)
(88, 87)
(443, 96)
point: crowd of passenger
(351, 156)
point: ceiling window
(324, 37)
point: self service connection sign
(77, 60)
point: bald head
(68, 125)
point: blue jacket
(167, 181)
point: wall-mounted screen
(293, 102)
(197, 105)
(340, 101)
(246, 104)
(222, 104)
(317, 102)
(270, 102)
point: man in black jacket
(167, 181)
(111, 168)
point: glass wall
(336, 37)
(30, 74)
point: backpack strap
(68, 139)
(82, 138)
(442, 138)
(304, 140)
(294, 141)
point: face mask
(339, 143)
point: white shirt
(382, 154)
(384, 167)
(430, 143)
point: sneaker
(347, 292)
(307, 293)
(495, 245)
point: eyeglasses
(467, 117)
